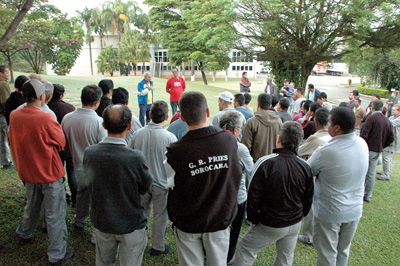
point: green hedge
(370, 91)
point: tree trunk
(143, 69)
(90, 54)
(14, 24)
(183, 70)
(202, 73)
(10, 67)
(306, 70)
(101, 42)
(134, 68)
(204, 77)
(192, 70)
(214, 74)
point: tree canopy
(198, 30)
(298, 34)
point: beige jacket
(319, 138)
(261, 133)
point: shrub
(370, 91)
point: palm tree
(128, 48)
(85, 16)
(101, 21)
(122, 15)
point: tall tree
(37, 49)
(22, 9)
(122, 13)
(308, 31)
(101, 23)
(69, 35)
(198, 30)
(128, 47)
(85, 16)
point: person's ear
(129, 126)
(183, 119)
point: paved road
(330, 85)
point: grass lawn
(375, 243)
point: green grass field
(376, 241)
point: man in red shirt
(175, 87)
(36, 138)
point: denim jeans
(174, 107)
(144, 110)
(4, 149)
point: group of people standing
(203, 177)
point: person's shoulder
(267, 159)
(242, 149)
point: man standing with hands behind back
(175, 87)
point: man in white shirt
(298, 97)
(339, 188)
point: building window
(139, 68)
(246, 68)
(164, 68)
(169, 68)
(241, 57)
(161, 56)
(242, 68)
(251, 68)
(147, 68)
(233, 67)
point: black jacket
(281, 190)
(207, 180)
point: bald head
(117, 118)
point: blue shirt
(243, 110)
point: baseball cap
(226, 96)
(47, 85)
(33, 87)
(58, 89)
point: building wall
(158, 65)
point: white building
(159, 63)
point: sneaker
(383, 178)
(9, 165)
(304, 240)
(367, 200)
(69, 253)
(155, 252)
(232, 261)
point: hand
(150, 87)
(283, 90)
(308, 114)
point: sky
(71, 6)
